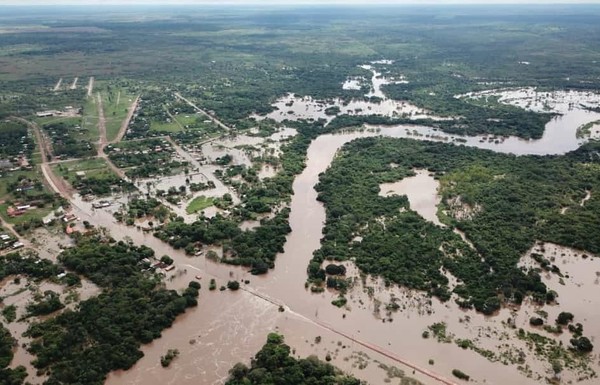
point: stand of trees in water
(35, 269)
(503, 203)
(9, 376)
(274, 364)
(104, 333)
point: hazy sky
(283, 2)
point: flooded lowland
(364, 317)
(364, 337)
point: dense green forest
(104, 333)
(274, 364)
(236, 62)
(509, 201)
(255, 248)
(14, 140)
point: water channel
(229, 327)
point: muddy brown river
(229, 327)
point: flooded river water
(421, 191)
(228, 327)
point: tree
(238, 371)
(536, 321)
(166, 260)
(564, 318)
(582, 344)
(333, 269)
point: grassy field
(199, 204)
(37, 213)
(7, 198)
(12, 177)
(163, 126)
(89, 120)
(93, 168)
(116, 102)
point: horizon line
(340, 3)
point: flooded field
(293, 107)
(560, 136)
(421, 191)
(363, 317)
(540, 101)
(202, 158)
(19, 291)
(573, 107)
(363, 337)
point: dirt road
(103, 141)
(74, 85)
(57, 86)
(54, 182)
(90, 87)
(214, 119)
(126, 122)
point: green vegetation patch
(256, 248)
(91, 176)
(105, 332)
(503, 203)
(274, 364)
(199, 204)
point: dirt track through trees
(125, 124)
(90, 87)
(211, 117)
(57, 86)
(102, 141)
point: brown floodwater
(421, 191)
(285, 285)
(229, 327)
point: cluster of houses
(101, 204)
(165, 146)
(158, 265)
(6, 241)
(19, 209)
(67, 111)
(15, 164)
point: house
(69, 218)
(45, 114)
(48, 218)
(13, 212)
